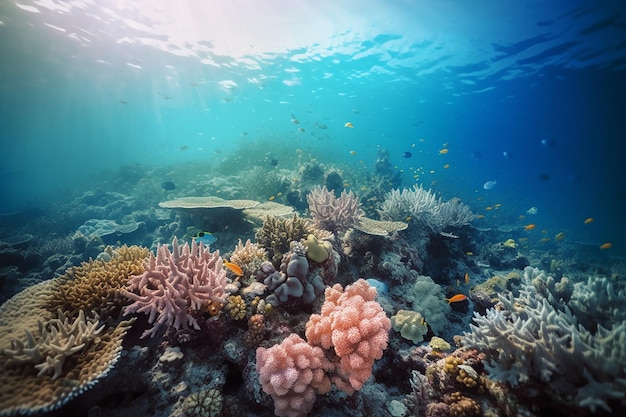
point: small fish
(532, 210)
(407, 154)
(443, 151)
(236, 269)
(446, 166)
(294, 120)
(489, 185)
(348, 125)
(469, 253)
(467, 278)
(530, 226)
(271, 198)
(607, 245)
(168, 185)
(456, 298)
(352, 152)
(301, 130)
(559, 236)
(589, 220)
(206, 238)
(184, 148)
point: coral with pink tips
(175, 285)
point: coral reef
(205, 403)
(335, 214)
(276, 235)
(425, 208)
(410, 324)
(355, 326)
(175, 285)
(98, 284)
(248, 257)
(293, 373)
(536, 341)
(429, 300)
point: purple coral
(331, 213)
(175, 285)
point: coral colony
(286, 323)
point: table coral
(356, 327)
(175, 285)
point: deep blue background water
(87, 87)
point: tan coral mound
(96, 285)
(48, 357)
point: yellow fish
(589, 220)
(559, 236)
(348, 125)
(607, 245)
(467, 278)
(352, 152)
(271, 198)
(530, 226)
(443, 151)
(446, 166)
(235, 269)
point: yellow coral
(236, 307)
(437, 343)
(509, 243)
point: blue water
(89, 87)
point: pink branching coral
(355, 325)
(293, 373)
(175, 285)
(331, 213)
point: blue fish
(407, 154)
(206, 238)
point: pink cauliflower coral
(293, 373)
(356, 326)
(175, 285)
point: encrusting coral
(46, 361)
(176, 285)
(97, 284)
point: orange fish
(456, 298)
(589, 220)
(607, 245)
(467, 278)
(443, 151)
(530, 226)
(234, 268)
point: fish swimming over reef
(206, 238)
(456, 298)
(235, 269)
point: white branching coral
(248, 257)
(59, 338)
(335, 214)
(536, 340)
(424, 207)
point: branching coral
(248, 257)
(176, 285)
(424, 207)
(331, 213)
(533, 342)
(276, 234)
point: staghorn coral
(537, 342)
(175, 285)
(331, 213)
(97, 284)
(356, 327)
(248, 257)
(276, 235)
(293, 373)
(424, 207)
(23, 391)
